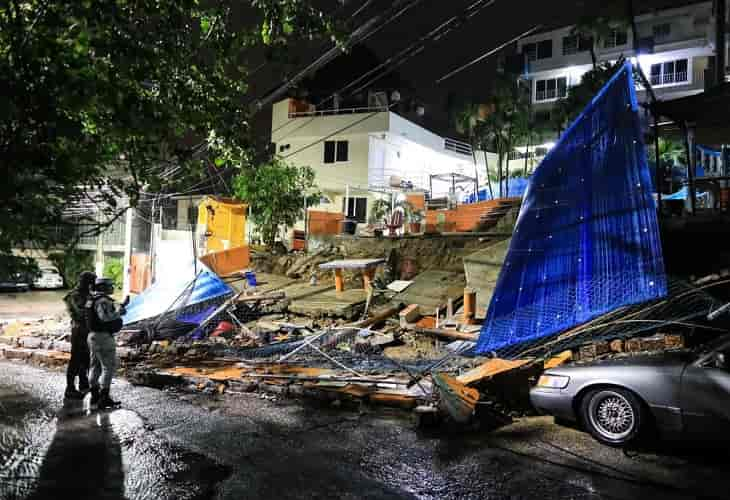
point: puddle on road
(105, 455)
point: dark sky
(493, 26)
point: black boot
(105, 401)
(95, 395)
(72, 393)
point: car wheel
(612, 415)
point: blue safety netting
(190, 286)
(516, 189)
(587, 239)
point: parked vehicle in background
(49, 278)
(682, 394)
(14, 283)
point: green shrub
(114, 269)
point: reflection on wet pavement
(76, 453)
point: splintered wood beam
(558, 360)
(490, 369)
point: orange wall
(139, 272)
(462, 219)
(325, 223)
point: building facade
(676, 50)
(359, 154)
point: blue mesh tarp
(587, 239)
(182, 290)
(517, 187)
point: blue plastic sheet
(587, 238)
(183, 290)
(517, 187)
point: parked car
(14, 283)
(49, 278)
(682, 394)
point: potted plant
(379, 213)
(416, 219)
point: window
(661, 31)
(554, 88)
(538, 50)
(336, 151)
(574, 43)
(670, 72)
(284, 147)
(616, 38)
(356, 209)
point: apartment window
(284, 147)
(574, 44)
(616, 38)
(670, 72)
(356, 209)
(551, 89)
(661, 31)
(336, 151)
(538, 50)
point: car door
(706, 398)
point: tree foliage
(505, 124)
(100, 98)
(275, 192)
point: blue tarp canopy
(182, 290)
(587, 238)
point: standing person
(104, 317)
(78, 365)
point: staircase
(494, 214)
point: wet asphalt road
(162, 446)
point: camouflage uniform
(78, 365)
(103, 345)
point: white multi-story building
(358, 153)
(683, 41)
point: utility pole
(720, 28)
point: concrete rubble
(294, 337)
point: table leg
(367, 278)
(339, 281)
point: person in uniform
(104, 319)
(78, 365)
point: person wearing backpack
(104, 318)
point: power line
(360, 35)
(417, 47)
(488, 54)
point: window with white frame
(661, 31)
(670, 72)
(336, 151)
(356, 209)
(538, 50)
(574, 44)
(616, 38)
(551, 89)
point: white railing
(341, 111)
(459, 147)
(669, 78)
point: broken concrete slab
(482, 271)
(347, 304)
(432, 289)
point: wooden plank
(352, 264)
(490, 369)
(558, 360)
(458, 399)
(447, 334)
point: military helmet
(104, 285)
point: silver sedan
(679, 393)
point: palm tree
(505, 124)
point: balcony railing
(459, 147)
(669, 78)
(341, 111)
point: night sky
(493, 26)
